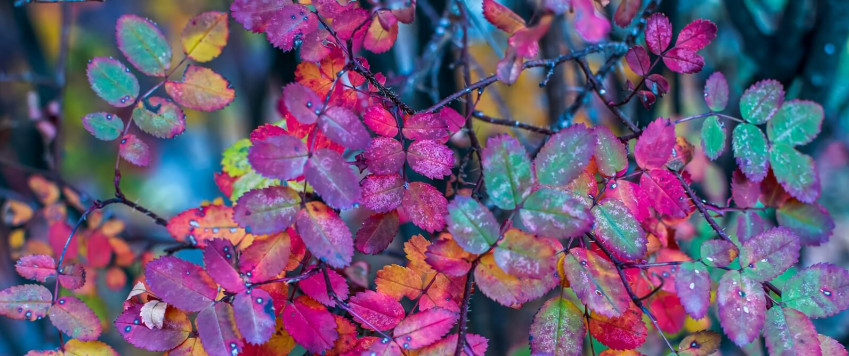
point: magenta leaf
(446, 256)
(25, 302)
(384, 156)
(655, 145)
(267, 210)
(266, 257)
(696, 35)
(325, 234)
(332, 178)
(741, 307)
(36, 267)
(217, 330)
(683, 60)
(789, 332)
(219, 259)
(430, 158)
(820, 291)
(591, 26)
(255, 317)
(770, 253)
(565, 155)
(303, 103)
(376, 311)
(344, 127)
(255, 15)
(382, 193)
(74, 318)
(315, 287)
(377, 232)
(180, 283)
(692, 284)
(288, 24)
(134, 150)
(638, 60)
(425, 206)
(175, 329)
(281, 156)
(658, 33)
(716, 91)
(665, 193)
(744, 191)
(425, 126)
(424, 328)
(380, 121)
(310, 324)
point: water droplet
(746, 309)
(602, 91)
(136, 321)
(613, 186)
(826, 292)
(228, 256)
(829, 48)
(408, 338)
(127, 329)
(193, 223)
(741, 293)
(692, 285)
(406, 345)
(294, 17)
(384, 340)
(29, 314)
(598, 292)
(61, 301)
(259, 300)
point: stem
(518, 124)
(701, 206)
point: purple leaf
(73, 317)
(255, 316)
(267, 210)
(692, 284)
(696, 35)
(638, 60)
(180, 283)
(282, 157)
(175, 329)
(430, 158)
(325, 234)
(384, 155)
(332, 178)
(741, 307)
(25, 302)
(303, 103)
(716, 91)
(382, 193)
(288, 24)
(377, 232)
(344, 127)
(217, 330)
(219, 258)
(658, 33)
(770, 253)
(683, 60)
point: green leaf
(112, 81)
(789, 332)
(618, 230)
(166, 121)
(770, 253)
(610, 154)
(555, 213)
(565, 156)
(558, 329)
(103, 125)
(750, 150)
(506, 171)
(249, 181)
(811, 222)
(796, 123)
(234, 161)
(595, 281)
(761, 101)
(472, 225)
(144, 45)
(713, 137)
(820, 291)
(796, 172)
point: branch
(701, 206)
(517, 124)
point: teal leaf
(713, 137)
(167, 121)
(789, 332)
(761, 101)
(797, 122)
(472, 225)
(796, 172)
(610, 154)
(565, 156)
(750, 150)
(144, 45)
(555, 213)
(506, 171)
(770, 253)
(819, 291)
(595, 282)
(103, 125)
(558, 329)
(618, 230)
(112, 81)
(811, 222)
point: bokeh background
(801, 43)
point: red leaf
(72, 276)
(36, 267)
(658, 33)
(348, 21)
(316, 46)
(380, 121)
(669, 312)
(310, 324)
(254, 314)
(282, 157)
(289, 23)
(58, 233)
(25, 302)
(382, 193)
(446, 256)
(376, 311)
(325, 234)
(315, 287)
(632, 195)
(478, 345)
(180, 283)
(453, 119)
(266, 257)
(666, 194)
(625, 332)
(626, 11)
(344, 127)
(175, 329)
(384, 156)
(198, 225)
(219, 258)
(267, 210)
(332, 178)
(74, 318)
(98, 250)
(377, 232)
(655, 145)
(424, 328)
(683, 60)
(430, 158)
(134, 150)
(216, 327)
(638, 60)
(378, 38)
(425, 206)
(502, 17)
(696, 35)
(425, 126)
(255, 15)
(303, 103)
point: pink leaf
(626, 11)
(303, 103)
(348, 21)
(638, 60)
(446, 256)
(267, 210)
(696, 35)
(666, 194)
(526, 40)
(180, 283)
(175, 329)
(344, 127)
(219, 258)
(425, 206)
(266, 257)
(310, 324)
(692, 285)
(25, 302)
(591, 26)
(669, 312)
(316, 46)
(430, 158)
(744, 191)
(382, 193)
(376, 311)
(655, 145)
(384, 156)
(216, 327)
(325, 234)
(134, 150)
(452, 119)
(256, 15)
(425, 126)
(254, 314)
(98, 250)
(478, 345)
(508, 68)
(74, 318)
(315, 287)
(36, 267)
(502, 17)
(380, 121)
(658, 33)
(332, 178)
(282, 156)
(378, 38)
(683, 60)
(377, 232)
(424, 328)
(290, 23)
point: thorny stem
(511, 123)
(601, 92)
(701, 206)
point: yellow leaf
(205, 35)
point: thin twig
(511, 123)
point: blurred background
(801, 43)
